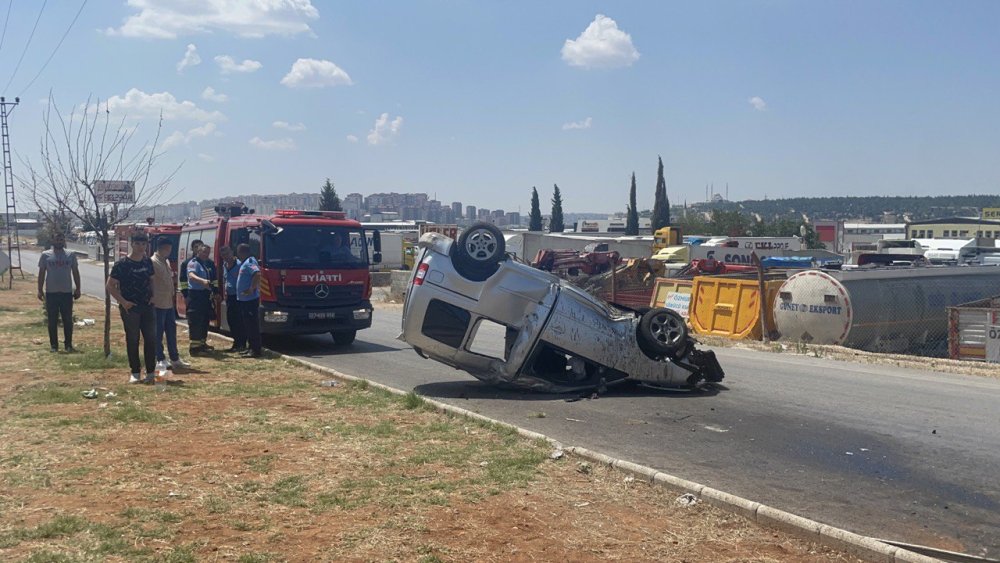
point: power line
(63, 38)
(7, 19)
(26, 45)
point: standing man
(248, 295)
(183, 270)
(201, 276)
(231, 271)
(164, 293)
(55, 268)
(131, 284)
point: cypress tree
(535, 216)
(556, 224)
(328, 200)
(661, 205)
(632, 220)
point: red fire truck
(308, 284)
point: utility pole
(10, 212)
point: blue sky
(483, 100)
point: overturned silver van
(471, 307)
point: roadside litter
(687, 499)
(329, 383)
(91, 394)
(556, 454)
(85, 322)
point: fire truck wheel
(344, 337)
(663, 332)
(479, 251)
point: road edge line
(864, 547)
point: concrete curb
(860, 546)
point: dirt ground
(257, 460)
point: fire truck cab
(314, 267)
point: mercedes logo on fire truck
(321, 291)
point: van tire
(479, 251)
(662, 333)
(344, 337)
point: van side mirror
(269, 227)
(376, 247)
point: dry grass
(252, 460)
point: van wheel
(663, 332)
(479, 251)
(344, 337)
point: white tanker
(879, 310)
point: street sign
(114, 191)
(450, 231)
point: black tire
(344, 337)
(663, 332)
(479, 251)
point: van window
(446, 323)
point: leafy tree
(556, 222)
(661, 205)
(535, 216)
(328, 198)
(632, 220)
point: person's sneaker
(53, 349)
(179, 363)
(199, 351)
(70, 349)
(150, 378)
(235, 349)
(134, 378)
(251, 354)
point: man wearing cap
(131, 285)
(56, 267)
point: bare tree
(77, 153)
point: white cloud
(385, 130)
(285, 144)
(180, 138)
(228, 65)
(289, 126)
(211, 95)
(206, 157)
(352, 138)
(313, 73)
(191, 58)
(168, 19)
(136, 103)
(601, 45)
(758, 103)
(585, 124)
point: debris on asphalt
(687, 499)
(556, 454)
(584, 467)
(573, 419)
(536, 415)
(91, 394)
(329, 383)
(849, 453)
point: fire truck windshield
(311, 247)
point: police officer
(230, 273)
(201, 278)
(183, 269)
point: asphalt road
(886, 452)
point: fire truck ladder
(10, 212)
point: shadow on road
(317, 348)
(481, 390)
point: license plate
(321, 315)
